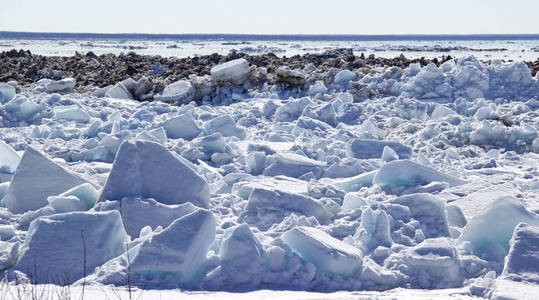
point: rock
(129, 84)
(119, 91)
(143, 86)
(234, 71)
(181, 90)
(335, 53)
(292, 77)
(148, 170)
(35, 179)
(55, 245)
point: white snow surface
(380, 183)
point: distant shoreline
(267, 37)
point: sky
(272, 16)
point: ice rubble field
(367, 180)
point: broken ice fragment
(8, 157)
(148, 170)
(490, 230)
(179, 250)
(54, 245)
(35, 179)
(182, 126)
(406, 172)
(327, 253)
(235, 71)
(363, 149)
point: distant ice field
(484, 47)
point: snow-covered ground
(383, 181)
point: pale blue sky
(272, 16)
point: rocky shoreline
(91, 71)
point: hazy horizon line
(265, 36)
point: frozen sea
(315, 183)
(484, 47)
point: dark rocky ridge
(108, 69)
